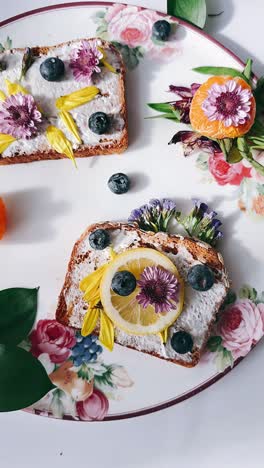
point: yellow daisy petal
(14, 88)
(77, 98)
(90, 321)
(5, 141)
(69, 122)
(59, 142)
(2, 96)
(106, 335)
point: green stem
(246, 154)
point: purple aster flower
(155, 216)
(191, 141)
(159, 288)
(202, 223)
(19, 116)
(228, 103)
(85, 61)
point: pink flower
(228, 103)
(241, 326)
(85, 61)
(130, 25)
(225, 173)
(159, 288)
(93, 408)
(113, 11)
(19, 116)
(52, 338)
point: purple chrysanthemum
(85, 61)
(159, 288)
(229, 103)
(19, 116)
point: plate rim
(216, 377)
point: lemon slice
(125, 311)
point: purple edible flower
(19, 116)
(85, 61)
(159, 288)
(192, 141)
(155, 216)
(229, 103)
(183, 105)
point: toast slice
(111, 100)
(200, 308)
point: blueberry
(99, 349)
(94, 337)
(77, 350)
(87, 342)
(161, 30)
(77, 361)
(52, 69)
(79, 338)
(99, 239)
(87, 356)
(93, 358)
(200, 277)
(99, 123)
(124, 283)
(93, 348)
(182, 342)
(119, 183)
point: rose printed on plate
(130, 30)
(239, 326)
(84, 382)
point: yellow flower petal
(5, 141)
(108, 66)
(104, 61)
(59, 142)
(69, 122)
(2, 96)
(77, 98)
(14, 88)
(90, 321)
(93, 280)
(106, 335)
(163, 335)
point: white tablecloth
(223, 426)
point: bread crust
(107, 147)
(199, 250)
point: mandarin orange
(216, 129)
(2, 218)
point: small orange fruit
(229, 100)
(2, 218)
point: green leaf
(230, 298)
(247, 292)
(248, 69)
(214, 343)
(193, 11)
(257, 129)
(161, 106)
(85, 372)
(260, 189)
(130, 56)
(18, 309)
(202, 162)
(105, 378)
(101, 29)
(224, 359)
(171, 116)
(2, 49)
(100, 14)
(259, 95)
(8, 43)
(23, 379)
(234, 155)
(219, 71)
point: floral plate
(50, 204)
